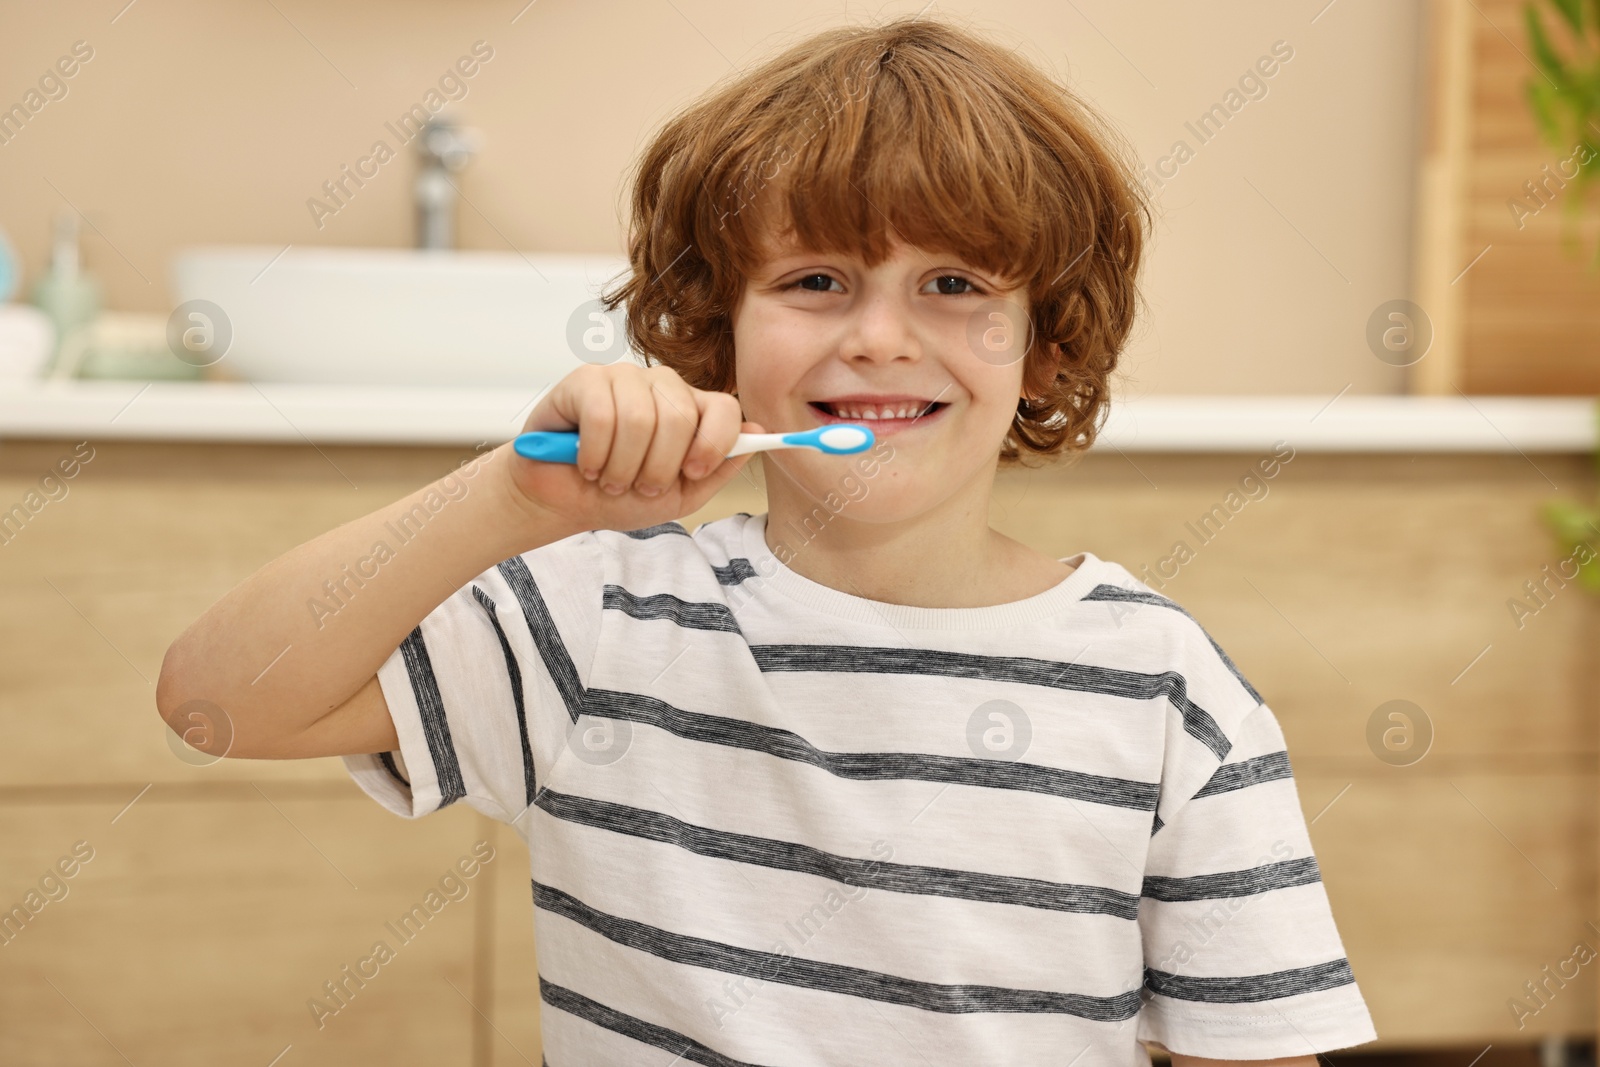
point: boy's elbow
(201, 723)
(170, 683)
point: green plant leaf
(1564, 98)
(1572, 11)
(1544, 56)
(1566, 519)
(1542, 100)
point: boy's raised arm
(268, 676)
(268, 663)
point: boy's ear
(1037, 378)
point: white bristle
(842, 437)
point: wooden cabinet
(220, 901)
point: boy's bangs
(856, 163)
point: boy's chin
(890, 495)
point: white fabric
(774, 823)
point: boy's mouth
(861, 411)
(883, 416)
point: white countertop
(360, 414)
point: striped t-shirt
(771, 822)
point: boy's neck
(946, 557)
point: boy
(858, 780)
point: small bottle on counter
(67, 293)
(27, 336)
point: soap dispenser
(66, 293)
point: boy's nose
(881, 330)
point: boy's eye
(827, 280)
(954, 278)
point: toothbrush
(837, 439)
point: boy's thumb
(726, 472)
(729, 469)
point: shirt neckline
(773, 573)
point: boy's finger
(636, 425)
(677, 418)
(701, 490)
(569, 402)
(719, 430)
(596, 416)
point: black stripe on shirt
(655, 531)
(1302, 870)
(1251, 988)
(873, 766)
(546, 637)
(831, 977)
(685, 1048)
(1023, 670)
(387, 759)
(735, 571)
(1113, 592)
(435, 726)
(514, 675)
(1230, 776)
(1253, 771)
(845, 870)
(689, 614)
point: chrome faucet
(445, 149)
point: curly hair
(916, 128)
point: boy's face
(812, 328)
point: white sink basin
(403, 317)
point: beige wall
(207, 121)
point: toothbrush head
(838, 439)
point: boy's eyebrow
(774, 259)
(782, 263)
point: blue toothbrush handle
(548, 446)
(561, 446)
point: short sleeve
(484, 691)
(1242, 958)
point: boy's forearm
(302, 634)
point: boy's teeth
(873, 411)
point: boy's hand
(639, 429)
